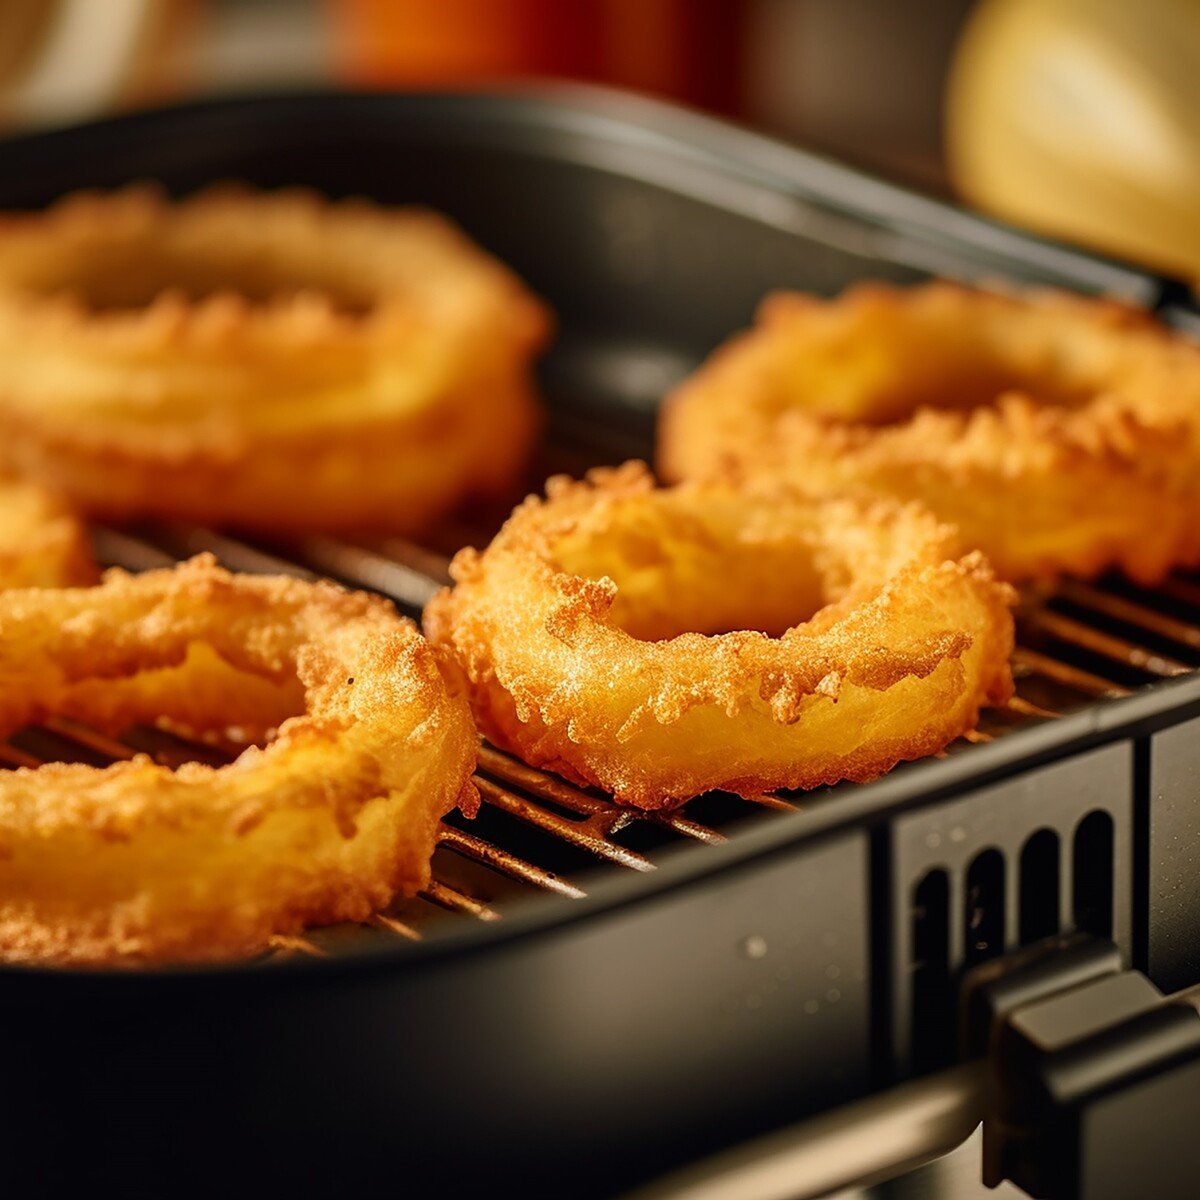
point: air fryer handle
(1094, 1077)
(872, 1139)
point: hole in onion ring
(672, 554)
(883, 367)
(166, 711)
(183, 694)
(129, 276)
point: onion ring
(42, 543)
(592, 630)
(271, 361)
(1060, 434)
(339, 813)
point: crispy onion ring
(138, 863)
(593, 633)
(268, 360)
(42, 543)
(1059, 434)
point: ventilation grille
(1060, 877)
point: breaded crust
(1058, 433)
(270, 360)
(660, 642)
(136, 863)
(42, 541)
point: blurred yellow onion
(1081, 118)
(67, 60)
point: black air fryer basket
(585, 998)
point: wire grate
(538, 834)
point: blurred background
(1076, 117)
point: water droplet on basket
(755, 946)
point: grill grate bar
(511, 770)
(978, 737)
(90, 739)
(549, 787)
(1076, 633)
(1035, 662)
(392, 925)
(1026, 708)
(767, 800)
(451, 899)
(506, 862)
(1172, 628)
(684, 826)
(10, 756)
(170, 748)
(407, 585)
(234, 553)
(121, 549)
(425, 562)
(584, 835)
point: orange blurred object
(689, 50)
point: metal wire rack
(538, 834)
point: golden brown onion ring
(594, 633)
(268, 360)
(42, 543)
(1060, 434)
(138, 863)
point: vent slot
(1092, 889)
(1026, 858)
(984, 910)
(932, 1034)
(1039, 911)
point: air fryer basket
(607, 995)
